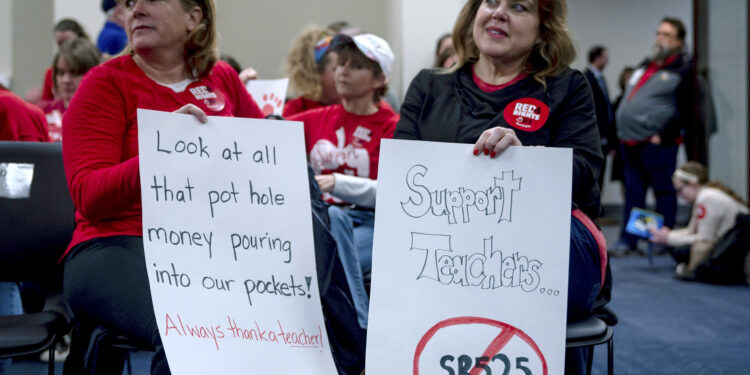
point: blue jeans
(345, 232)
(10, 304)
(648, 165)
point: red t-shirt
(299, 105)
(47, 87)
(53, 111)
(100, 151)
(302, 104)
(19, 120)
(342, 142)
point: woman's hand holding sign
(495, 140)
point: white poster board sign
(470, 260)
(270, 94)
(227, 231)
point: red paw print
(270, 104)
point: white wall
(6, 42)
(727, 48)
(259, 33)
(87, 12)
(422, 23)
(626, 28)
(31, 37)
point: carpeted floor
(667, 327)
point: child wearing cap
(343, 145)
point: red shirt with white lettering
(342, 142)
(100, 151)
(53, 111)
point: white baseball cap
(374, 48)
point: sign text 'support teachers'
(470, 261)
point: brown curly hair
(304, 74)
(549, 58)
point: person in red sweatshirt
(74, 58)
(172, 66)
(343, 146)
(19, 120)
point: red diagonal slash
(507, 333)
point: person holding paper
(171, 64)
(715, 209)
(343, 144)
(512, 86)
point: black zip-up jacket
(451, 108)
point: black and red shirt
(453, 108)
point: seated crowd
(341, 81)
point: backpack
(726, 264)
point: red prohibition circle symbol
(507, 333)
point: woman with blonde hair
(516, 54)
(310, 66)
(715, 209)
(170, 64)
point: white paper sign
(15, 180)
(270, 94)
(470, 260)
(227, 231)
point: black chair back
(35, 231)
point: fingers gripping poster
(227, 232)
(470, 261)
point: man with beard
(656, 108)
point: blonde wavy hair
(549, 57)
(304, 74)
(201, 50)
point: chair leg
(610, 356)
(51, 363)
(589, 360)
(127, 363)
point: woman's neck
(165, 70)
(361, 106)
(497, 72)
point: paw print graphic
(270, 104)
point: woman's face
(507, 30)
(354, 81)
(330, 95)
(686, 190)
(159, 24)
(66, 81)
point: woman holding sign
(512, 86)
(171, 65)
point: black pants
(105, 283)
